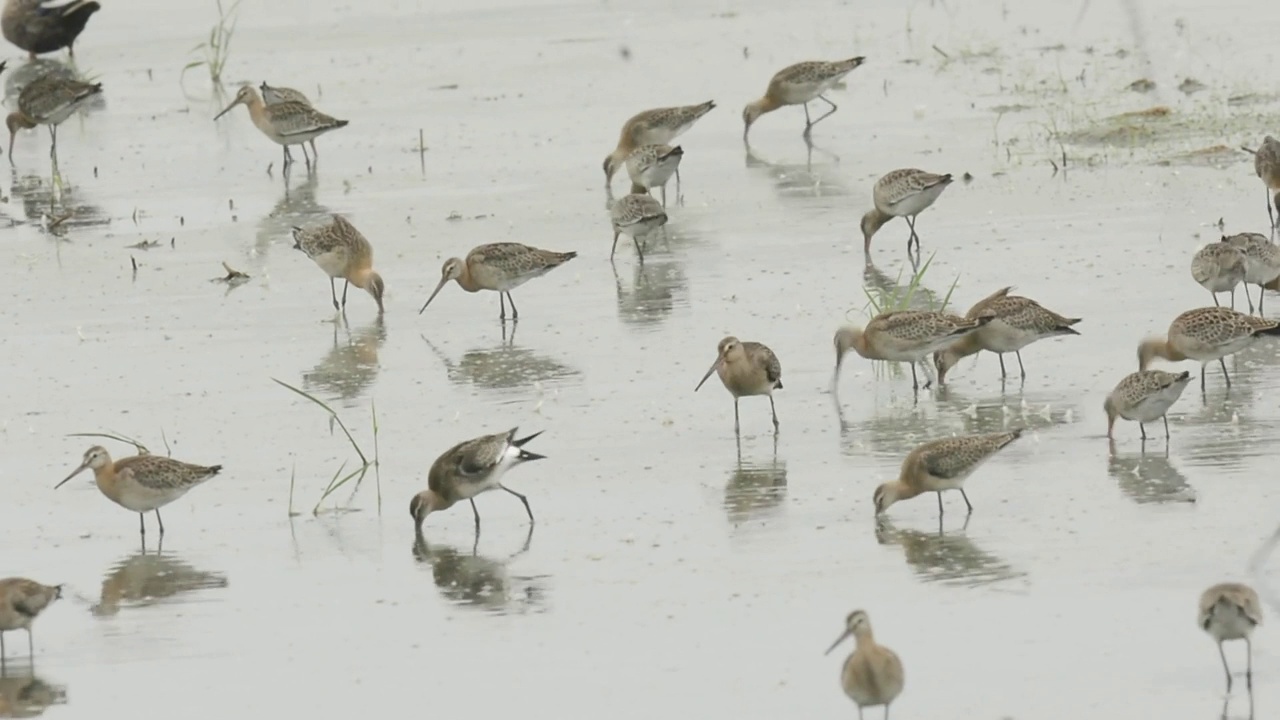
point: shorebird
(1231, 611)
(1261, 262)
(276, 95)
(1207, 334)
(142, 483)
(48, 100)
(652, 127)
(904, 336)
(651, 166)
(902, 193)
(940, 465)
(1145, 396)
(44, 26)
(1266, 163)
(746, 368)
(21, 601)
(1018, 322)
(872, 675)
(636, 215)
(470, 468)
(499, 266)
(797, 85)
(342, 252)
(285, 123)
(1219, 267)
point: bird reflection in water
(504, 367)
(656, 289)
(1149, 477)
(801, 179)
(23, 695)
(57, 212)
(997, 413)
(475, 581)
(755, 488)
(351, 366)
(297, 207)
(947, 558)
(147, 578)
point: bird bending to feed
(652, 127)
(636, 215)
(904, 336)
(746, 368)
(651, 166)
(142, 483)
(1207, 334)
(48, 100)
(1219, 267)
(940, 465)
(342, 252)
(45, 26)
(1261, 262)
(797, 85)
(872, 675)
(1266, 163)
(1145, 396)
(1017, 322)
(470, 468)
(1231, 611)
(902, 193)
(285, 123)
(499, 266)
(276, 95)
(21, 601)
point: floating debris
(233, 276)
(1141, 86)
(143, 245)
(1191, 85)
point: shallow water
(669, 562)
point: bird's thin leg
(886, 711)
(287, 157)
(664, 196)
(502, 305)
(773, 410)
(915, 383)
(523, 499)
(859, 712)
(1202, 379)
(1142, 429)
(911, 223)
(639, 252)
(615, 244)
(940, 511)
(679, 196)
(1248, 672)
(333, 293)
(966, 500)
(826, 115)
(1261, 292)
(809, 123)
(737, 426)
(1223, 363)
(1002, 372)
(1215, 299)
(1233, 298)
(346, 284)
(142, 526)
(1, 649)
(306, 156)
(475, 512)
(160, 523)
(515, 314)
(1270, 214)
(1225, 667)
(1020, 367)
(1166, 428)
(314, 153)
(31, 650)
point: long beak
(714, 365)
(434, 293)
(839, 640)
(79, 470)
(227, 110)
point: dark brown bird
(45, 26)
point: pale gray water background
(668, 573)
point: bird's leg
(737, 426)
(773, 410)
(1142, 429)
(886, 711)
(515, 314)
(1248, 672)
(828, 114)
(1225, 667)
(287, 157)
(859, 712)
(1201, 379)
(679, 196)
(1270, 214)
(31, 652)
(639, 252)
(160, 523)
(475, 512)
(502, 305)
(1020, 367)
(1166, 428)
(940, 510)
(305, 155)
(809, 123)
(314, 153)
(1223, 363)
(966, 501)
(523, 499)
(142, 527)
(664, 196)
(1261, 292)
(911, 223)
(615, 244)
(346, 284)
(1002, 372)
(915, 383)
(333, 292)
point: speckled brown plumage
(1219, 267)
(21, 601)
(904, 336)
(904, 193)
(38, 28)
(940, 465)
(637, 215)
(469, 468)
(799, 84)
(651, 166)
(341, 251)
(1261, 261)
(501, 267)
(1204, 335)
(1017, 322)
(746, 369)
(1231, 611)
(1145, 396)
(653, 127)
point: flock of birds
(1000, 323)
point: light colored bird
(746, 369)
(940, 465)
(1017, 322)
(48, 100)
(872, 675)
(21, 602)
(142, 483)
(502, 267)
(276, 95)
(1207, 334)
(904, 336)
(1266, 164)
(636, 215)
(470, 468)
(1145, 396)
(342, 252)
(652, 127)
(284, 123)
(651, 166)
(901, 193)
(45, 26)
(1231, 611)
(1261, 262)
(1219, 267)
(797, 85)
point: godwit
(1219, 267)
(746, 368)
(342, 252)
(1204, 335)
(142, 483)
(40, 26)
(652, 127)
(502, 267)
(1231, 611)
(1261, 262)
(21, 601)
(286, 123)
(277, 95)
(1266, 163)
(48, 100)
(872, 675)
(636, 215)
(1018, 322)
(941, 465)
(470, 468)
(797, 85)
(904, 336)
(651, 166)
(1145, 396)
(902, 193)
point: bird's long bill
(434, 293)
(227, 109)
(714, 365)
(839, 640)
(82, 468)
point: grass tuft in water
(217, 49)
(338, 479)
(900, 297)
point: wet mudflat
(672, 565)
